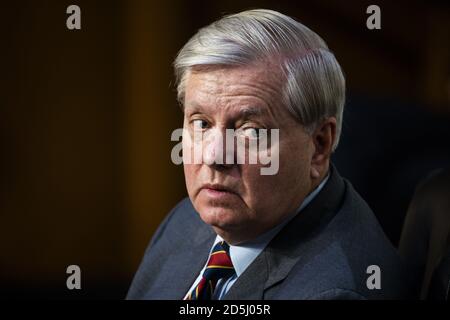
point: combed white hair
(314, 85)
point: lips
(218, 187)
(218, 190)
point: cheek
(257, 187)
(190, 175)
(272, 191)
(294, 166)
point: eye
(251, 133)
(199, 124)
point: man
(300, 233)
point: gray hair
(314, 87)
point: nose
(215, 149)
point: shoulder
(345, 256)
(180, 223)
(365, 251)
(167, 249)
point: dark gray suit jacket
(323, 253)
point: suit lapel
(193, 263)
(285, 250)
(175, 285)
(250, 284)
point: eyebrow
(249, 112)
(245, 112)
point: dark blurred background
(86, 118)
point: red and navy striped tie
(219, 266)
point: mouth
(218, 190)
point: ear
(323, 138)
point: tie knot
(219, 264)
(221, 246)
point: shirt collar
(243, 254)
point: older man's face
(235, 199)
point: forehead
(254, 85)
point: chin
(218, 217)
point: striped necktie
(219, 266)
